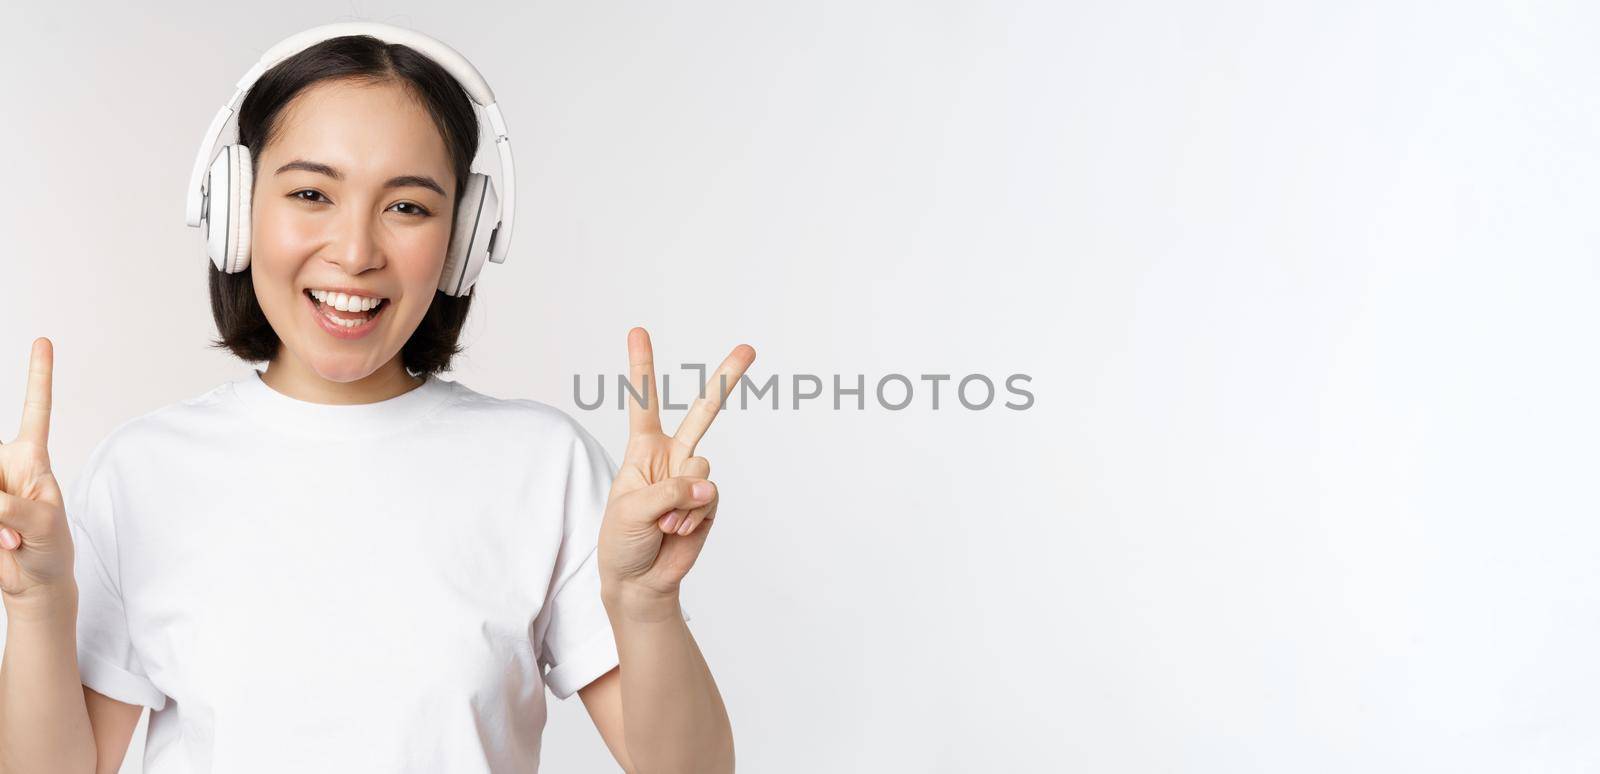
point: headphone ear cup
(477, 215)
(245, 188)
(228, 188)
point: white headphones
(482, 219)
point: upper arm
(113, 723)
(603, 698)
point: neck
(292, 377)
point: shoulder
(146, 445)
(148, 433)
(527, 418)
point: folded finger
(678, 492)
(695, 467)
(22, 515)
(692, 521)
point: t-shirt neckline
(343, 420)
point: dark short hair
(244, 328)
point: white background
(1307, 292)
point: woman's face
(355, 193)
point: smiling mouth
(346, 318)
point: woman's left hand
(654, 524)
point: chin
(341, 369)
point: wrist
(634, 603)
(45, 603)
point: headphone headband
(448, 58)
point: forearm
(673, 716)
(44, 724)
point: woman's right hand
(35, 543)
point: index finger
(642, 419)
(36, 405)
(706, 407)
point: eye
(311, 191)
(418, 210)
(316, 197)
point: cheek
(278, 239)
(416, 256)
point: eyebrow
(421, 181)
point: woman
(344, 562)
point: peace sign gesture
(35, 544)
(662, 502)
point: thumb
(643, 506)
(9, 540)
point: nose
(356, 247)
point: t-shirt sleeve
(579, 645)
(107, 661)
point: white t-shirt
(293, 586)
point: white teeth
(345, 303)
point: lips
(367, 320)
